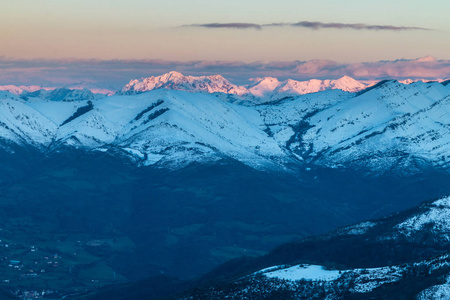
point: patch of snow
(135, 152)
(357, 229)
(306, 272)
(365, 280)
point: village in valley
(54, 270)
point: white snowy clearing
(306, 272)
(365, 280)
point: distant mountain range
(260, 90)
(26, 90)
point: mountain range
(389, 126)
(260, 90)
(27, 89)
(186, 176)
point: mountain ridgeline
(388, 127)
(172, 182)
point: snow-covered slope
(427, 224)
(433, 217)
(22, 125)
(389, 126)
(169, 126)
(316, 282)
(183, 124)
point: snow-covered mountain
(388, 126)
(260, 90)
(177, 81)
(271, 89)
(406, 120)
(171, 126)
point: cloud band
(116, 73)
(306, 24)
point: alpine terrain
(173, 176)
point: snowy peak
(262, 86)
(347, 84)
(173, 75)
(271, 89)
(177, 81)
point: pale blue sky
(135, 29)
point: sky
(52, 34)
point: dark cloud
(307, 24)
(227, 25)
(320, 25)
(114, 74)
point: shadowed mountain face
(152, 221)
(403, 256)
